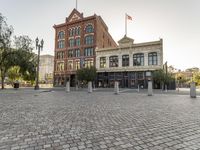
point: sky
(177, 22)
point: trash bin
(16, 85)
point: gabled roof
(125, 41)
(75, 15)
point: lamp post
(38, 47)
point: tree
(87, 74)
(26, 59)
(197, 78)
(5, 48)
(21, 55)
(162, 78)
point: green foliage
(87, 74)
(162, 77)
(197, 78)
(13, 73)
(5, 49)
(21, 55)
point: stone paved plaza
(101, 120)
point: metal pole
(125, 24)
(37, 76)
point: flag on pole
(129, 17)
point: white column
(150, 90)
(192, 90)
(130, 60)
(116, 88)
(97, 62)
(158, 58)
(145, 59)
(120, 60)
(67, 87)
(107, 61)
(90, 87)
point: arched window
(78, 41)
(71, 42)
(70, 32)
(77, 52)
(61, 35)
(138, 59)
(79, 31)
(89, 40)
(152, 58)
(89, 29)
(61, 44)
(88, 51)
(73, 31)
(113, 61)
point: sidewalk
(182, 91)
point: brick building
(75, 44)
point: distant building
(46, 68)
(75, 42)
(130, 64)
(172, 70)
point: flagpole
(125, 24)
(76, 4)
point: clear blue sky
(176, 21)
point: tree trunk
(2, 81)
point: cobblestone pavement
(101, 120)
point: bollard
(76, 86)
(150, 90)
(90, 87)
(192, 90)
(165, 88)
(67, 87)
(138, 90)
(116, 89)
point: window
(152, 57)
(61, 35)
(60, 66)
(70, 65)
(138, 59)
(113, 61)
(89, 63)
(77, 64)
(88, 52)
(89, 29)
(70, 32)
(77, 52)
(60, 55)
(70, 53)
(77, 30)
(61, 44)
(71, 42)
(73, 31)
(89, 40)
(125, 60)
(78, 41)
(102, 62)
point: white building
(46, 68)
(130, 64)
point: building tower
(75, 44)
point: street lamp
(38, 47)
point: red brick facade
(75, 44)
